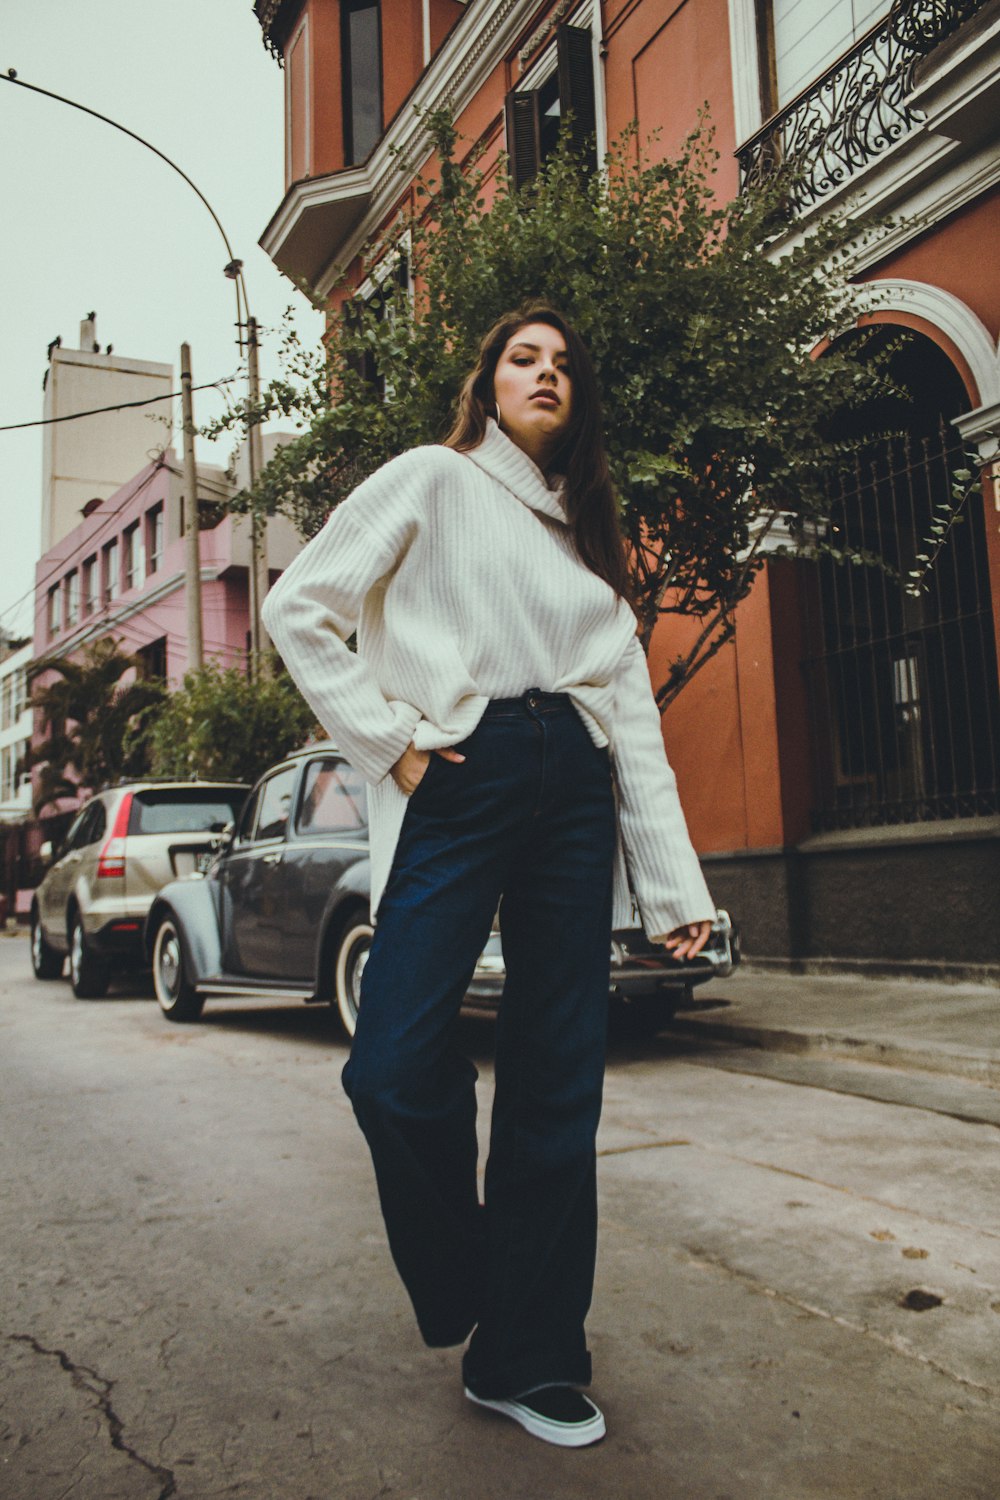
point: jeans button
(533, 700)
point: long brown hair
(588, 496)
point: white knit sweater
(460, 574)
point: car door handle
(273, 858)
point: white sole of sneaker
(562, 1434)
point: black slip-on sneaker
(555, 1413)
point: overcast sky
(91, 220)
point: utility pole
(258, 526)
(192, 556)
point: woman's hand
(411, 767)
(686, 942)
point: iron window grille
(903, 692)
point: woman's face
(533, 389)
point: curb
(975, 1064)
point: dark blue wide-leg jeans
(526, 821)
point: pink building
(120, 572)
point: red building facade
(839, 760)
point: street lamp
(244, 321)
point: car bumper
(637, 967)
(121, 937)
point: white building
(15, 733)
(91, 459)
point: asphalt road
(798, 1293)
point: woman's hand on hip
(687, 942)
(411, 767)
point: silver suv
(125, 844)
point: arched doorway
(903, 692)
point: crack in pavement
(894, 1342)
(86, 1379)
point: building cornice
(277, 17)
(352, 203)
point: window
(154, 539)
(187, 810)
(298, 105)
(153, 659)
(903, 692)
(72, 598)
(135, 573)
(275, 801)
(55, 610)
(381, 299)
(798, 42)
(91, 583)
(381, 296)
(112, 583)
(91, 827)
(361, 53)
(333, 798)
(14, 695)
(7, 756)
(534, 115)
(248, 817)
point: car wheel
(177, 996)
(352, 955)
(88, 974)
(46, 963)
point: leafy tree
(222, 726)
(97, 727)
(718, 418)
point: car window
(248, 817)
(90, 827)
(72, 839)
(275, 802)
(185, 809)
(98, 823)
(333, 798)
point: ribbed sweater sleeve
(316, 604)
(663, 866)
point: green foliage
(97, 729)
(222, 726)
(717, 416)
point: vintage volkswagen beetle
(282, 912)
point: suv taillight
(111, 860)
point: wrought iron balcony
(854, 111)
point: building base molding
(901, 906)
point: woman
(500, 706)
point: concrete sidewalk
(951, 1029)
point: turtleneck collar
(505, 462)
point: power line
(158, 463)
(97, 411)
(91, 541)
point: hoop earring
(496, 405)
